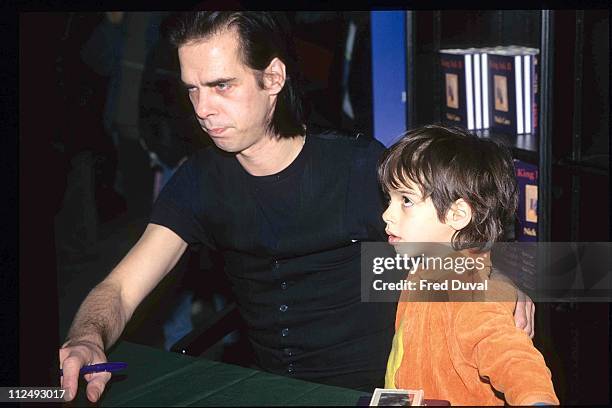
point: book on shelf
(513, 89)
(491, 88)
(465, 82)
(527, 180)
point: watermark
(546, 272)
(32, 394)
(410, 264)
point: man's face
(410, 218)
(229, 104)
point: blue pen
(96, 368)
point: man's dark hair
(263, 36)
(448, 164)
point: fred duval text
(426, 285)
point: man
(287, 208)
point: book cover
(454, 103)
(512, 75)
(527, 180)
(465, 88)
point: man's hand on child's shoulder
(524, 314)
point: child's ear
(274, 76)
(459, 215)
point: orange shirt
(462, 351)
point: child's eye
(407, 202)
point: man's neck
(270, 155)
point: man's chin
(225, 145)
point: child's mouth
(393, 238)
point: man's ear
(459, 215)
(274, 76)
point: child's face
(409, 218)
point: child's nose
(386, 216)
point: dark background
(573, 337)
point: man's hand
(72, 356)
(524, 314)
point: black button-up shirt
(291, 248)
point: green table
(158, 378)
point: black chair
(212, 331)
(207, 277)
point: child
(449, 187)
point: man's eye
(223, 86)
(407, 202)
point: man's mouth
(215, 131)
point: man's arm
(109, 306)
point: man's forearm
(101, 317)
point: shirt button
(288, 352)
(290, 369)
(283, 285)
(283, 308)
(275, 264)
(285, 332)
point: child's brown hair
(448, 164)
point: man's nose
(204, 105)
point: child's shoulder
(474, 309)
(495, 315)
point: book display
(545, 95)
(492, 87)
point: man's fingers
(529, 315)
(520, 320)
(70, 378)
(97, 383)
(532, 320)
(528, 328)
(520, 313)
(73, 356)
(63, 353)
(524, 314)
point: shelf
(435, 30)
(524, 147)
